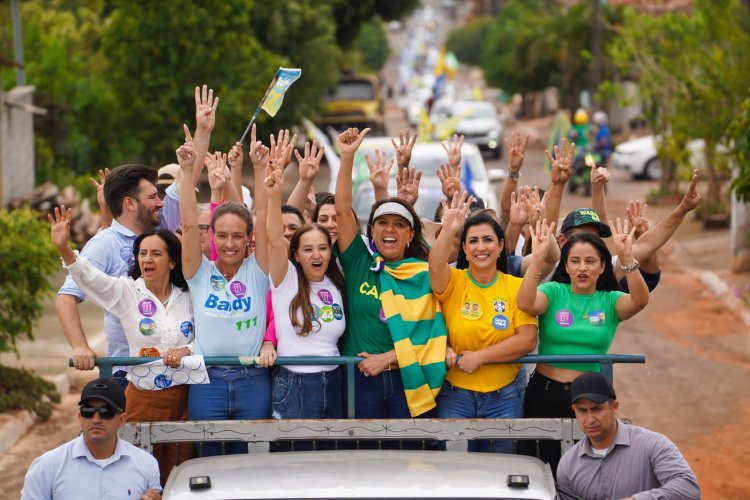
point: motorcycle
(584, 160)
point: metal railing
(605, 361)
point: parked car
(362, 474)
(478, 121)
(426, 157)
(640, 156)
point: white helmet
(599, 118)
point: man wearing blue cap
(618, 460)
(97, 464)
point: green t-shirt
(577, 324)
(366, 330)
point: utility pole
(17, 42)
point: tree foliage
(350, 16)
(372, 43)
(466, 41)
(27, 257)
(739, 133)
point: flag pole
(257, 110)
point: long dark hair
(174, 250)
(301, 301)
(417, 249)
(607, 280)
(476, 220)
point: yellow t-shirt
(479, 316)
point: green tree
(372, 43)
(350, 16)
(739, 133)
(466, 41)
(28, 258)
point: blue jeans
(235, 393)
(380, 396)
(454, 402)
(306, 395)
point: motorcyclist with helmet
(602, 136)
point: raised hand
(309, 165)
(561, 165)
(274, 183)
(599, 175)
(281, 151)
(535, 206)
(542, 237)
(205, 108)
(350, 140)
(407, 185)
(452, 147)
(516, 149)
(60, 226)
(637, 215)
(403, 149)
(186, 155)
(519, 215)
(99, 186)
(692, 197)
(259, 154)
(450, 178)
(216, 165)
(622, 240)
(235, 156)
(380, 170)
(454, 213)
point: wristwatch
(514, 175)
(630, 267)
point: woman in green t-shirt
(395, 232)
(579, 311)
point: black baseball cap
(593, 386)
(582, 217)
(106, 389)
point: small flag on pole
(271, 102)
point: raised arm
(561, 168)
(349, 142)
(517, 219)
(105, 215)
(406, 143)
(380, 174)
(60, 233)
(630, 303)
(278, 261)
(599, 178)
(450, 179)
(638, 217)
(453, 221)
(516, 149)
(309, 167)
(235, 158)
(205, 119)
(658, 235)
(191, 237)
(530, 299)
(407, 185)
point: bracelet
(514, 175)
(630, 267)
(534, 275)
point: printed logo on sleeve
(564, 318)
(147, 307)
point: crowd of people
(436, 316)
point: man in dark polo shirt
(618, 460)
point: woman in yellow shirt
(485, 326)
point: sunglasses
(106, 412)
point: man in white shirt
(97, 464)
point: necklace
(226, 275)
(587, 307)
(166, 301)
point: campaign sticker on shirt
(471, 311)
(126, 254)
(500, 322)
(597, 317)
(147, 307)
(499, 306)
(186, 327)
(149, 352)
(147, 327)
(338, 311)
(316, 312)
(326, 314)
(564, 318)
(162, 381)
(325, 296)
(381, 315)
(237, 288)
(218, 282)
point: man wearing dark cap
(618, 460)
(97, 464)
